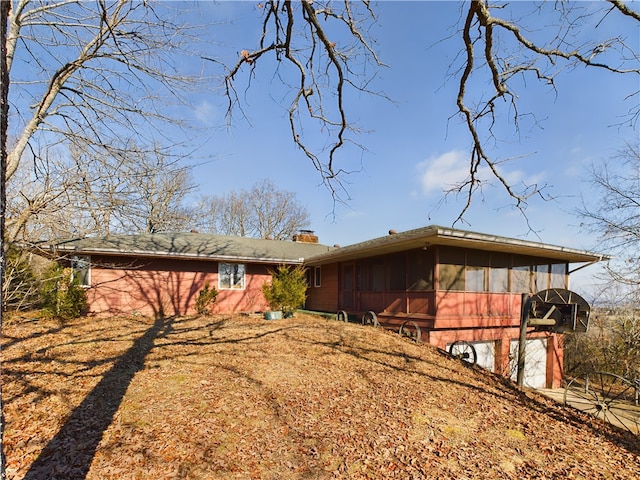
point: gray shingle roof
(437, 235)
(190, 246)
(218, 247)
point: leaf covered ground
(301, 398)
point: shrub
(287, 289)
(611, 345)
(62, 296)
(20, 288)
(206, 298)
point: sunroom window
(521, 275)
(477, 273)
(558, 275)
(451, 274)
(499, 273)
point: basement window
(231, 276)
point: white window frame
(232, 276)
(317, 276)
(80, 263)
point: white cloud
(354, 213)
(441, 173)
(206, 113)
(577, 150)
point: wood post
(522, 342)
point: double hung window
(231, 276)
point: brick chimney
(305, 236)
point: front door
(347, 290)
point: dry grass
(222, 397)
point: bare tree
(226, 214)
(100, 192)
(506, 45)
(321, 51)
(612, 211)
(163, 184)
(4, 129)
(509, 50)
(132, 190)
(90, 73)
(263, 212)
(38, 207)
(20, 289)
(612, 343)
(276, 213)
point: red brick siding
(325, 297)
(155, 287)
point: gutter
(479, 237)
(184, 256)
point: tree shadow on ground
(69, 454)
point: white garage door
(486, 353)
(535, 362)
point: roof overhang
(435, 235)
(58, 252)
(183, 246)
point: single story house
(454, 285)
(161, 274)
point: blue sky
(414, 146)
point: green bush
(287, 289)
(206, 298)
(62, 296)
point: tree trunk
(4, 122)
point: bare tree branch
(518, 56)
(298, 36)
(612, 211)
(93, 74)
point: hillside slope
(303, 398)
